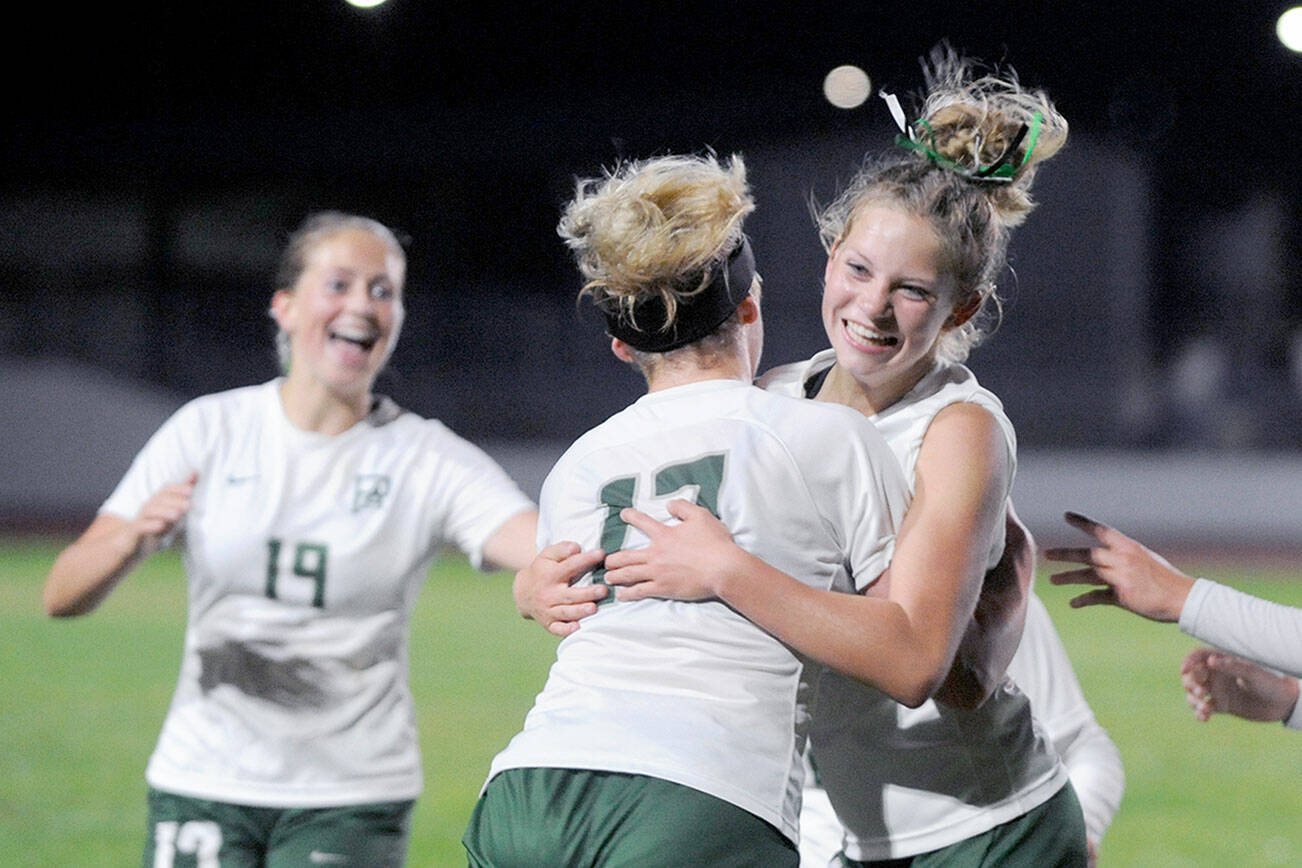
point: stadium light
(1289, 29)
(365, 4)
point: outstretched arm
(87, 570)
(1131, 576)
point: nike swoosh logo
(232, 479)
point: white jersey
(1259, 630)
(1042, 669)
(694, 693)
(904, 780)
(304, 554)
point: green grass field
(84, 699)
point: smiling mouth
(868, 335)
(358, 338)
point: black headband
(697, 315)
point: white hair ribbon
(893, 103)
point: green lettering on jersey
(705, 473)
(616, 495)
(309, 563)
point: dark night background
(155, 157)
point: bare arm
(511, 547)
(87, 570)
(904, 644)
(995, 631)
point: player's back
(693, 692)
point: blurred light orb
(365, 4)
(847, 87)
(1289, 29)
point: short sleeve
(170, 455)
(880, 498)
(475, 496)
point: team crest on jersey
(370, 491)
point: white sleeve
(1264, 632)
(1042, 669)
(173, 452)
(473, 496)
(873, 504)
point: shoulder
(965, 431)
(209, 415)
(951, 400)
(790, 379)
(819, 434)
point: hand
(544, 590)
(1218, 682)
(156, 523)
(1134, 578)
(687, 561)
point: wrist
(1179, 587)
(1288, 704)
(734, 573)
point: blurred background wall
(1149, 352)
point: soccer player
(671, 733)
(1256, 630)
(308, 510)
(915, 244)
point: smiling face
(344, 312)
(887, 298)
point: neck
(311, 406)
(667, 374)
(842, 388)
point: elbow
(916, 689)
(59, 605)
(59, 609)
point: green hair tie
(999, 171)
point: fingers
(1096, 529)
(683, 510)
(570, 613)
(625, 558)
(1072, 554)
(640, 591)
(562, 628)
(627, 575)
(560, 551)
(1197, 659)
(1087, 576)
(640, 520)
(1100, 597)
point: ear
(622, 351)
(748, 311)
(282, 309)
(831, 257)
(965, 310)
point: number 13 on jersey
(705, 474)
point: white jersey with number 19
(694, 693)
(304, 554)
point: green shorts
(185, 832)
(1051, 835)
(573, 818)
